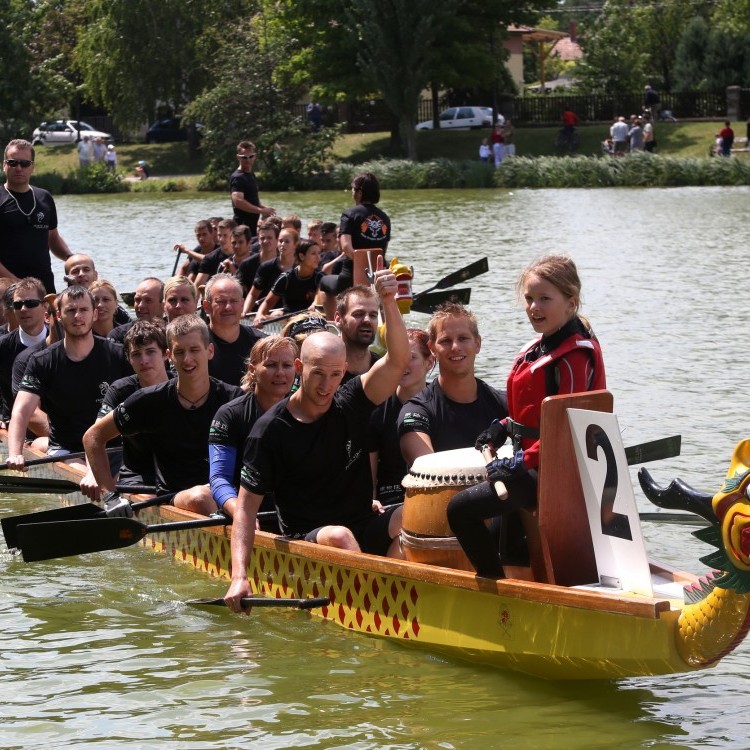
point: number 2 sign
(610, 504)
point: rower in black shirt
(232, 342)
(146, 347)
(68, 379)
(176, 415)
(29, 308)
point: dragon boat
(587, 604)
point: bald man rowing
(310, 450)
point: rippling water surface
(100, 651)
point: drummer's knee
(338, 536)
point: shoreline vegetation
(448, 160)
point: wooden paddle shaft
(500, 489)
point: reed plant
(400, 174)
(635, 170)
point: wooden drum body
(426, 536)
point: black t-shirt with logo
(71, 393)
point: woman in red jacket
(564, 358)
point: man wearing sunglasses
(29, 307)
(28, 220)
(244, 188)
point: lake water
(99, 651)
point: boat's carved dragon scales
(710, 628)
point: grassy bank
(446, 159)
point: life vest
(528, 383)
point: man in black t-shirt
(450, 411)
(311, 451)
(68, 379)
(357, 319)
(176, 415)
(244, 189)
(28, 220)
(268, 242)
(211, 262)
(232, 342)
(146, 348)
(148, 304)
(28, 298)
(206, 239)
(80, 270)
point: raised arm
(381, 380)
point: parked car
(464, 118)
(168, 129)
(58, 132)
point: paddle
(463, 274)
(684, 518)
(41, 485)
(69, 513)
(654, 450)
(46, 541)
(428, 302)
(176, 261)
(54, 459)
(266, 601)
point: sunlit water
(99, 651)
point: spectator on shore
(484, 151)
(726, 139)
(619, 134)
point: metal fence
(597, 107)
(374, 116)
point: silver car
(58, 132)
(462, 118)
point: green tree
(395, 42)
(690, 58)
(137, 55)
(245, 101)
(628, 45)
(31, 85)
(726, 56)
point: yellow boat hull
(549, 631)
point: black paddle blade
(35, 485)
(464, 274)
(47, 541)
(428, 302)
(266, 601)
(71, 513)
(654, 450)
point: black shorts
(371, 533)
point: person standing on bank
(28, 221)
(244, 188)
(364, 227)
(565, 358)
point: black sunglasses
(247, 156)
(30, 303)
(19, 163)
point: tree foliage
(247, 102)
(32, 86)
(629, 45)
(136, 54)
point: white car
(463, 118)
(58, 132)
